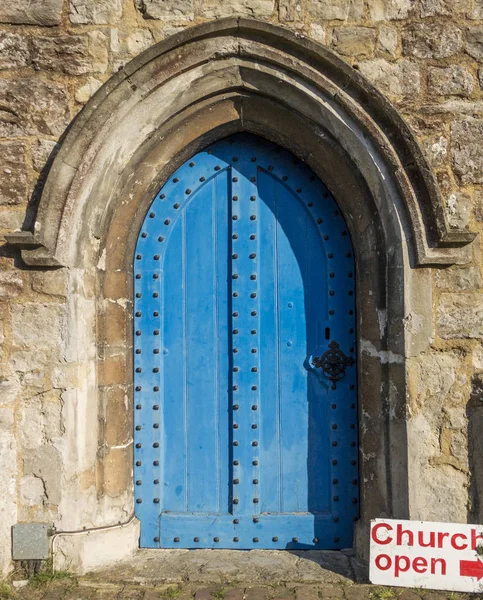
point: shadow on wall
(474, 413)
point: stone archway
(203, 84)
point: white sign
(438, 556)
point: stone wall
(426, 56)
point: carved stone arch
(200, 85)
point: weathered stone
(11, 284)
(9, 389)
(460, 316)
(44, 463)
(400, 80)
(458, 210)
(331, 591)
(25, 361)
(444, 8)
(478, 206)
(432, 40)
(169, 9)
(391, 10)
(290, 10)
(11, 219)
(85, 92)
(468, 278)
(53, 283)
(387, 40)
(436, 150)
(138, 41)
(467, 141)
(318, 33)
(13, 173)
(354, 41)
(31, 12)
(450, 81)
(14, 51)
(37, 325)
(214, 9)
(32, 490)
(19, 116)
(342, 10)
(71, 54)
(459, 446)
(477, 12)
(41, 151)
(474, 42)
(99, 12)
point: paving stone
(234, 594)
(358, 592)
(306, 593)
(331, 591)
(279, 593)
(409, 595)
(206, 593)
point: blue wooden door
(245, 385)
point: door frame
(179, 96)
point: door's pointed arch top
(184, 79)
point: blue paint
(244, 272)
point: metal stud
(235, 539)
(176, 539)
(156, 501)
(255, 463)
(254, 443)
(216, 539)
(253, 236)
(236, 481)
(275, 539)
(235, 407)
(235, 501)
(139, 501)
(138, 463)
(196, 539)
(295, 540)
(156, 539)
(255, 481)
(254, 406)
(255, 539)
(255, 519)
(316, 540)
(235, 521)
(156, 463)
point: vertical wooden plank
(202, 420)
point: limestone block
(214, 9)
(318, 33)
(44, 463)
(456, 418)
(53, 283)
(85, 92)
(387, 40)
(436, 150)
(31, 12)
(400, 80)
(38, 325)
(98, 12)
(442, 493)
(11, 284)
(118, 420)
(32, 490)
(390, 10)
(14, 51)
(467, 142)
(459, 446)
(450, 81)
(9, 390)
(445, 8)
(11, 220)
(138, 41)
(458, 210)
(478, 203)
(342, 10)
(477, 12)
(71, 54)
(460, 316)
(25, 361)
(41, 151)
(172, 9)
(432, 40)
(354, 41)
(474, 42)
(8, 484)
(290, 10)
(467, 278)
(13, 173)
(19, 116)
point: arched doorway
(245, 384)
